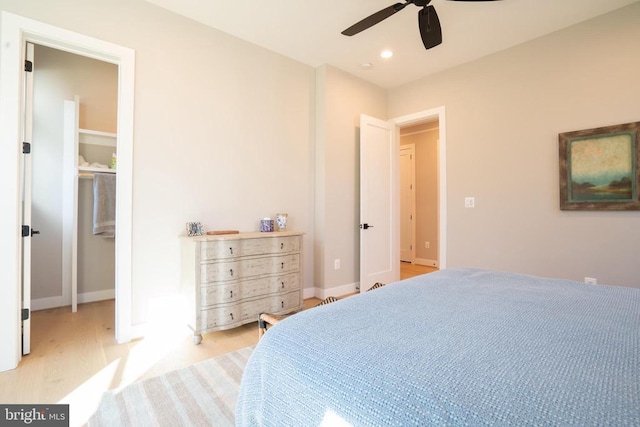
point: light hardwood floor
(74, 357)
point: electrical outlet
(469, 202)
(590, 281)
(427, 245)
(336, 264)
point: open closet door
(379, 203)
(27, 230)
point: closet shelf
(90, 169)
(97, 133)
(97, 137)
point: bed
(456, 347)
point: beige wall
(504, 113)
(341, 99)
(59, 76)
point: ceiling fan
(428, 21)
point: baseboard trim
(96, 296)
(55, 302)
(45, 303)
(427, 262)
(337, 291)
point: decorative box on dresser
(231, 278)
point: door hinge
(25, 314)
(28, 66)
(26, 148)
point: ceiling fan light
(386, 54)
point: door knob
(34, 231)
(365, 226)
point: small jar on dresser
(231, 278)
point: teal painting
(602, 168)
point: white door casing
(70, 202)
(407, 203)
(438, 113)
(379, 204)
(14, 32)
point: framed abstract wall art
(599, 168)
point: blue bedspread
(457, 347)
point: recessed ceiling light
(386, 54)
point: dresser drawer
(222, 249)
(229, 315)
(221, 316)
(230, 270)
(275, 304)
(226, 292)
(275, 245)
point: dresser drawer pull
(231, 294)
(231, 314)
(282, 285)
(231, 271)
(281, 245)
(282, 265)
(282, 302)
(231, 250)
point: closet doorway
(14, 32)
(62, 199)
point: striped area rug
(201, 394)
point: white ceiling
(309, 31)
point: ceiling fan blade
(429, 25)
(372, 20)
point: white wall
(223, 132)
(504, 114)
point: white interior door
(27, 127)
(407, 203)
(379, 222)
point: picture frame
(599, 168)
(194, 229)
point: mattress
(455, 347)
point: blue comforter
(457, 347)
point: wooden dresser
(230, 279)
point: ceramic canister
(266, 225)
(281, 220)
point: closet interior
(74, 142)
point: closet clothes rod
(88, 174)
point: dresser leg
(197, 338)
